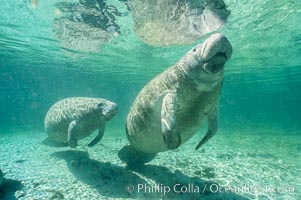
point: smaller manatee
(75, 118)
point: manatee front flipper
(170, 133)
(213, 118)
(99, 136)
(72, 141)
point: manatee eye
(100, 105)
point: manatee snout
(213, 53)
(110, 109)
(216, 46)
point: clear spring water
(261, 91)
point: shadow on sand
(120, 182)
(109, 180)
(8, 189)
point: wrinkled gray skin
(72, 119)
(170, 109)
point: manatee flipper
(170, 133)
(213, 118)
(72, 141)
(99, 136)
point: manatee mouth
(221, 54)
(216, 46)
(216, 63)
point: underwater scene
(150, 99)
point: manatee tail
(133, 157)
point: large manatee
(170, 109)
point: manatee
(170, 109)
(176, 22)
(75, 118)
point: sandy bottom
(241, 165)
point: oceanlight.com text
(211, 188)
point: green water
(261, 90)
